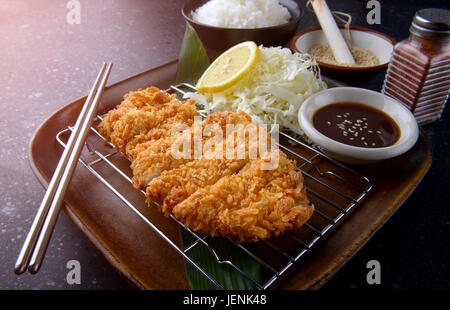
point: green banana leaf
(193, 61)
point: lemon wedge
(229, 68)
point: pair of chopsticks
(37, 240)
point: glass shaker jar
(419, 72)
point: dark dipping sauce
(356, 124)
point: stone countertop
(47, 63)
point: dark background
(47, 63)
(413, 246)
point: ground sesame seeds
(363, 57)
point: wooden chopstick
(41, 229)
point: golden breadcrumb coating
(250, 205)
(173, 186)
(157, 158)
(143, 116)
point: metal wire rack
(333, 188)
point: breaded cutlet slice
(251, 205)
(174, 186)
(149, 99)
(144, 115)
(159, 157)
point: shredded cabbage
(273, 92)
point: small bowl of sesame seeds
(357, 125)
(371, 51)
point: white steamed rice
(242, 13)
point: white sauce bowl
(409, 130)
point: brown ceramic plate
(148, 262)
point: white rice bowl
(244, 14)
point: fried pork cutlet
(174, 186)
(240, 198)
(251, 205)
(158, 157)
(143, 116)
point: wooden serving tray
(149, 262)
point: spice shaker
(418, 74)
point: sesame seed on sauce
(370, 126)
